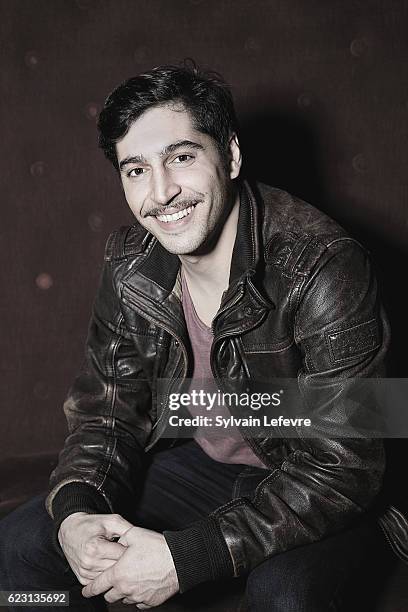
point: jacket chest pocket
(159, 356)
(146, 339)
(266, 362)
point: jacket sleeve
(321, 484)
(107, 411)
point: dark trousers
(182, 485)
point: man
(213, 281)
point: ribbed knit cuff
(76, 497)
(199, 554)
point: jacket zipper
(229, 304)
(185, 358)
(184, 373)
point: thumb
(115, 525)
(131, 536)
(141, 537)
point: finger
(89, 575)
(82, 579)
(134, 533)
(124, 538)
(110, 550)
(101, 584)
(98, 566)
(113, 595)
(97, 550)
(139, 606)
(115, 525)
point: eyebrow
(140, 159)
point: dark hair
(204, 94)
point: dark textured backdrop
(321, 91)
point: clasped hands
(137, 568)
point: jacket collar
(162, 267)
(245, 255)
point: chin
(181, 248)
(181, 245)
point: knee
(24, 531)
(271, 589)
(29, 556)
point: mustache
(177, 205)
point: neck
(212, 269)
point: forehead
(157, 128)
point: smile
(176, 216)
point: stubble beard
(204, 238)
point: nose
(164, 188)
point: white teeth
(176, 216)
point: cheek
(198, 178)
(133, 199)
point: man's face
(175, 180)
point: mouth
(176, 216)
(177, 219)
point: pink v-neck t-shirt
(220, 444)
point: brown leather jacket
(302, 303)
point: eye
(183, 158)
(135, 172)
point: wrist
(72, 518)
(68, 521)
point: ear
(235, 158)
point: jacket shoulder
(125, 242)
(286, 213)
(295, 233)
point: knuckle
(122, 585)
(90, 548)
(86, 563)
(110, 597)
(87, 547)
